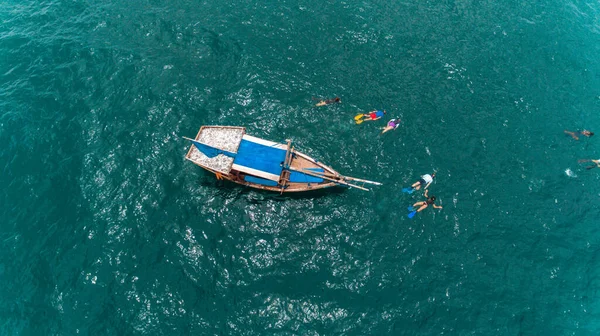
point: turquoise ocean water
(106, 230)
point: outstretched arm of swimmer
(426, 192)
(597, 162)
(437, 206)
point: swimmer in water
(426, 203)
(329, 101)
(597, 162)
(575, 135)
(391, 125)
(425, 180)
(373, 115)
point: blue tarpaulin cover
(258, 180)
(260, 157)
(298, 177)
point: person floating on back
(391, 125)
(329, 101)
(575, 135)
(424, 204)
(597, 162)
(373, 115)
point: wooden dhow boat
(233, 155)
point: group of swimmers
(376, 115)
(423, 182)
(426, 179)
(575, 135)
(371, 116)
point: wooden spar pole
(347, 178)
(288, 156)
(361, 180)
(329, 179)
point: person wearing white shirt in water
(425, 181)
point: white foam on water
(570, 173)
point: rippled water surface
(106, 230)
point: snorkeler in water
(329, 101)
(426, 203)
(425, 181)
(373, 115)
(391, 125)
(575, 135)
(597, 162)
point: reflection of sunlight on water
(554, 272)
(456, 225)
(305, 311)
